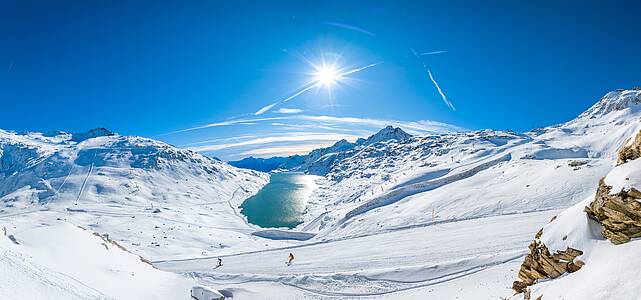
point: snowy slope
(61, 261)
(448, 177)
(438, 216)
(605, 229)
(383, 211)
(144, 193)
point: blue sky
(161, 68)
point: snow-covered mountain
(319, 161)
(268, 164)
(130, 181)
(430, 179)
(440, 216)
(393, 216)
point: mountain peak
(388, 133)
(614, 101)
(93, 133)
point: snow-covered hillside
(394, 216)
(441, 178)
(383, 211)
(62, 261)
(594, 241)
(153, 198)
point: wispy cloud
(283, 150)
(283, 110)
(289, 138)
(223, 123)
(351, 27)
(219, 140)
(290, 134)
(418, 127)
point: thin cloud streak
(219, 140)
(358, 69)
(441, 92)
(275, 139)
(416, 127)
(433, 52)
(284, 150)
(269, 107)
(224, 123)
(289, 110)
(351, 27)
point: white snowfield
(611, 270)
(443, 216)
(61, 261)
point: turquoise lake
(280, 203)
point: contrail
(358, 70)
(447, 102)
(441, 92)
(268, 107)
(433, 52)
(312, 85)
(351, 27)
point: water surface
(280, 203)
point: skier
(220, 262)
(290, 259)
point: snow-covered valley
(394, 216)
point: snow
(205, 293)
(440, 216)
(611, 270)
(144, 193)
(624, 177)
(66, 262)
(378, 264)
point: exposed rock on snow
(631, 150)
(619, 214)
(618, 208)
(435, 199)
(541, 264)
(614, 213)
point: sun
(326, 76)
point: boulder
(631, 150)
(619, 214)
(540, 263)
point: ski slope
(379, 264)
(438, 216)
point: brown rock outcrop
(631, 151)
(619, 214)
(540, 264)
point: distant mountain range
(319, 161)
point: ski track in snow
(398, 217)
(444, 251)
